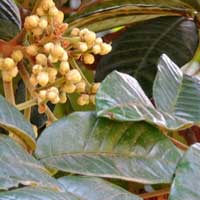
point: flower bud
(57, 51)
(31, 22)
(73, 76)
(80, 87)
(37, 31)
(64, 67)
(52, 72)
(105, 48)
(6, 76)
(88, 58)
(59, 17)
(96, 49)
(36, 69)
(33, 80)
(82, 46)
(75, 32)
(95, 88)
(52, 59)
(47, 4)
(43, 78)
(43, 94)
(69, 88)
(13, 72)
(89, 37)
(98, 40)
(64, 57)
(32, 50)
(41, 59)
(40, 12)
(84, 99)
(92, 99)
(43, 23)
(8, 64)
(51, 95)
(48, 47)
(56, 100)
(17, 56)
(53, 11)
(63, 97)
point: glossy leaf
(113, 13)
(89, 188)
(18, 167)
(83, 144)
(138, 49)
(177, 98)
(12, 120)
(10, 20)
(186, 183)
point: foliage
(117, 139)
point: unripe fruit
(82, 46)
(53, 11)
(88, 58)
(43, 94)
(59, 18)
(92, 99)
(75, 32)
(48, 47)
(6, 76)
(36, 69)
(41, 59)
(105, 48)
(43, 23)
(17, 56)
(64, 67)
(69, 88)
(95, 88)
(73, 76)
(96, 49)
(43, 78)
(8, 64)
(84, 99)
(80, 87)
(32, 50)
(63, 97)
(57, 51)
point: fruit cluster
(54, 71)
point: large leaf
(186, 183)
(89, 188)
(83, 144)
(12, 120)
(75, 188)
(138, 49)
(18, 167)
(114, 13)
(10, 20)
(176, 96)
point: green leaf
(18, 167)
(186, 183)
(138, 49)
(177, 98)
(10, 20)
(113, 13)
(12, 120)
(89, 188)
(36, 194)
(84, 144)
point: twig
(26, 104)
(9, 92)
(179, 144)
(161, 192)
